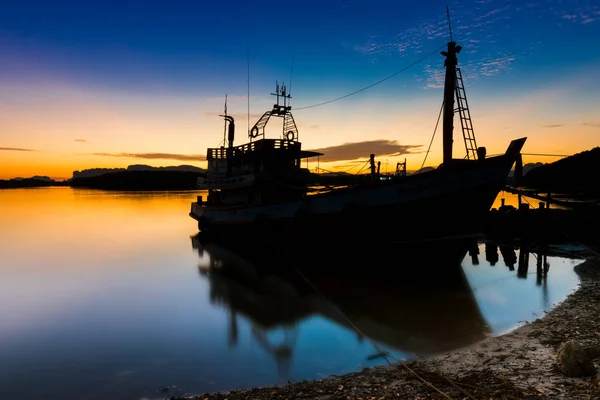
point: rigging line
(326, 170)
(354, 166)
(363, 167)
(431, 142)
(547, 155)
(373, 84)
(331, 172)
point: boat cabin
(262, 169)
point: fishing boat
(259, 190)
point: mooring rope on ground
(383, 353)
(565, 233)
(577, 242)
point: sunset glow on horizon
(95, 86)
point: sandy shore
(518, 365)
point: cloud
(314, 127)
(480, 26)
(14, 149)
(435, 77)
(574, 11)
(592, 124)
(156, 156)
(552, 126)
(80, 140)
(472, 25)
(358, 150)
(493, 66)
(583, 14)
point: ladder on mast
(465, 117)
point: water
(109, 295)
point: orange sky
(88, 86)
(53, 127)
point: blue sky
(171, 62)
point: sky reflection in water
(105, 294)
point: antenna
(291, 75)
(225, 123)
(449, 26)
(248, 48)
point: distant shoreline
(28, 183)
(122, 180)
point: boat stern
(197, 210)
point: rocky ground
(519, 365)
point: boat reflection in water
(378, 293)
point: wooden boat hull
(446, 201)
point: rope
(346, 171)
(352, 167)
(434, 131)
(383, 353)
(373, 84)
(326, 170)
(566, 234)
(363, 167)
(577, 242)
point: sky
(110, 84)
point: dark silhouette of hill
(29, 183)
(88, 173)
(526, 168)
(155, 179)
(577, 174)
(511, 180)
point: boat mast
(231, 131)
(449, 89)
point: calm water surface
(109, 295)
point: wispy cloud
(480, 27)
(156, 156)
(359, 150)
(412, 40)
(592, 124)
(471, 23)
(314, 127)
(577, 12)
(435, 77)
(486, 65)
(14, 149)
(494, 66)
(80, 140)
(552, 126)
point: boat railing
(208, 183)
(263, 144)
